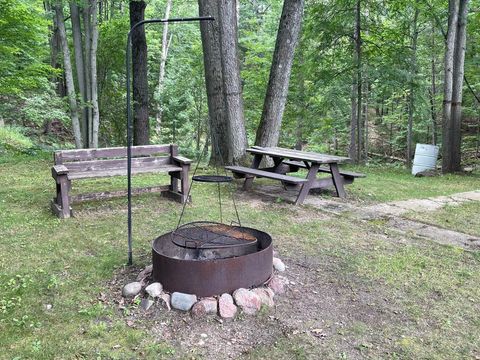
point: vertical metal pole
(129, 150)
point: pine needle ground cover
(359, 289)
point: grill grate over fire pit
(207, 258)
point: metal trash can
(425, 158)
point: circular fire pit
(205, 258)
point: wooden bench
(288, 181)
(97, 163)
(349, 176)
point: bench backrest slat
(80, 155)
(112, 164)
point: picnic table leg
(257, 159)
(311, 176)
(337, 180)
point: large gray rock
(226, 307)
(247, 300)
(181, 301)
(132, 289)
(154, 290)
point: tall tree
(453, 84)
(222, 79)
(141, 125)
(161, 74)
(355, 147)
(232, 87)
(289, 27)
(67, 65)
(93, 73)
(411, 93)
(80, 68)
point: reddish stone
(204, 306)
(265, 295)
(277, 284)
(248, 301)
(226, 306)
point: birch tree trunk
(80, 68)
(232, 87)
(141, 125)
(68, 76)
(161, 74)
(411, 95)
(268, 131)
(93, 73)
(210, 32)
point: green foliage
(23, 46)
(12, 140)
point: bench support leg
(61, 203)
(337, 180)
(311, 177)
(185, 186)
(257, 159)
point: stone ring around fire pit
(206, 258)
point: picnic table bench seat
(243, 171)
(106, 162)
(325, 169)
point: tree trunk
(299, 142)
(93, 72)
(433, 91)
(457, 91)
(232, 87)
(268, 131)
(68, 76)
(80, 68)
(210, 32)
(141, 126)
(161, 75)
(354, 149)
(358, 65)
(88, 66)
(411, 95)
(454, 65)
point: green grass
(68, 263)
(387, 183)
(463, 217)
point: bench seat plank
(266, 174)
(323, 169)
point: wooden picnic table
(288, 160)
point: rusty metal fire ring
(181, 269)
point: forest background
(367, 77)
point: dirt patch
(332, 311)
